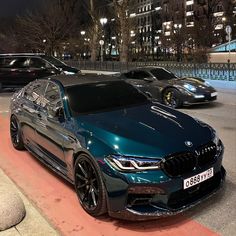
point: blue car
(125, 155)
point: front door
(50, 130)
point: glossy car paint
(148, 131)
(156, 88)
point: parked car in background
(17, 70)
(169, 89)
(125, 155)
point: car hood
(150, 130)
(197, 82)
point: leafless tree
(124, 24)
(205, 21)
(47, 28)
(94, 10)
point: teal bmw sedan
(124, 154)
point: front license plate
(196, 179)
(214, 94)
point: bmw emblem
(188, 143)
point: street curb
(33, 223)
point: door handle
(71, 139)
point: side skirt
(58, 169)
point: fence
(215, 71)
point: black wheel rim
(170, 99)
(86, 180)
(14, 131)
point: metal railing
(215, 71)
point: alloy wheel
(171, 98)
(15, 132)
(86, 180)
(14, 129)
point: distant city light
(82, 32)
(103, 21)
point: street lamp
(176, 26)
(103, 21)
(178, 40)
(82, 34)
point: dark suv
(17, 70)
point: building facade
(163, 24)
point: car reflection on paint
(125, 155)
(162, 85)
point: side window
(52, 93)
(54, 105)
(19, 62)
(129, 75)
(37, 63)
(142, 75)
(34, 92)
(6, 61)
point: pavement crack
(17, 230)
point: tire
(171, 98)
(89, 185)
(16, 135)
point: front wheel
(15, 132)
(89, 185)
(171, 97)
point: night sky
(11, 8)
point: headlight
(68, 73)
(190, 87)
(133, 163)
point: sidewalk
(34, 224)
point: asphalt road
(218, 213)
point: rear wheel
(15, 132)
(89, 185)
(171, 97)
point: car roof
(72, 80)
(21, 54)
(149, 67)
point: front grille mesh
(182, 163)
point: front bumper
(154, 194)
(179, 201)
(198, 98)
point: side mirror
(149, 79)
(57, 114)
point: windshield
(163, 74)
(103, 96)
(54, 61)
